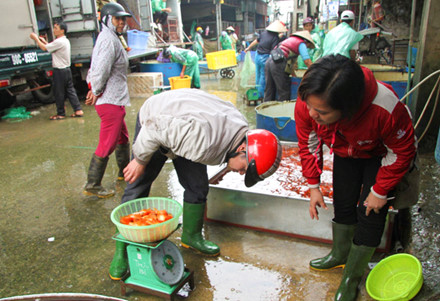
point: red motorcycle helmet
(263, 152)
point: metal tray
(276, 214)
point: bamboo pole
(411, 43)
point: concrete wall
(398, 16)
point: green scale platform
(155, 268)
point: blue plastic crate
(137, 39)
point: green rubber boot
(94, 176)
(192, 230)
(354, 270)
(342, 240)
(122, 153)
(119, 265)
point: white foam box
(143, 84)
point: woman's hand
(91, 98)
(316, 199)
(133, 171)
(374, 203)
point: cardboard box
(143, 84)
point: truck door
(19, 20)
(146, 15)
(82, 25)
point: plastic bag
(247, 74)
(19, 112)
(161, 59)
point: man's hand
(33, 36)
(316, 199)
(374, 203)
(133, 171)
(91, 98)
(42, 40)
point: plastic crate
(137, 39)
(221, 59)
(177, 82)
(143, 234)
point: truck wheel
(44, 95)
(6, 100)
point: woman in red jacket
(370, 132)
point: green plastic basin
(397, 277)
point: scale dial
(167, 263)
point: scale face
(156, 266)
(167, 263)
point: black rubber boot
(342, 240)
(192, 230)
(354, 270)
(96, 172)
(122, 153)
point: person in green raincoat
(160, 12)
(188, 59)
(199, 45)
(315, 53)
(343, 39)
(225, 41)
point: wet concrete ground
(54, 240)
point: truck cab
(24, 67)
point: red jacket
(382, 127)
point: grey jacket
(189, 123)
(108, 70)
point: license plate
(26, 58)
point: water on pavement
(53, 239)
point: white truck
(24, 67)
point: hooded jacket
(189, 123)
(382, 127)
(107, 75)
